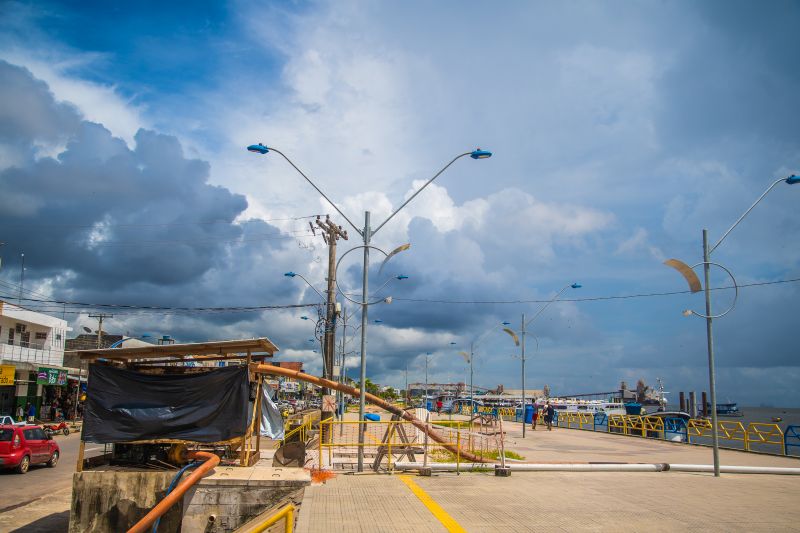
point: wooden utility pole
(100, 318)
(330, 234)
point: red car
(22, 446)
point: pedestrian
(438, 407)
(20, 413)
(548, 416)
(534, 417)
(31, 412)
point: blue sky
(619, 132)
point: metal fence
(756, 436)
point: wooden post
(79, 466)
(258, 415)
(243, 452)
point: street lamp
(366, 233)
(694, 285)
(513, 335)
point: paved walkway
(566, 501)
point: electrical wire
(588, 299)
(165, 224)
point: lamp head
(479, 154)
(310, 340)
(791, 180)
(576, 285)
(378, 321)
(452, 343)
(688, 312)
(303, 317)
(290, 274)
(258, 148)
(387, 300)
(401, 277)
(506, 323)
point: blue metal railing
(676, 427)
(792, 434)
(600, 421)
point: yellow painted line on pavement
(441, 515)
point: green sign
(51, 376)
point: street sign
(7, 374)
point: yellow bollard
(458, 452)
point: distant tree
(546, 391)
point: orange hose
(352, 391)
(211, 460)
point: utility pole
(330, 234)
(100, 317)
(21, 278)
(523, 375)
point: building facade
(32, 371)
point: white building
(31, 359)
(30, 337)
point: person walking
(20, 413)
(31, 412)
(548, 416)
(534, 417)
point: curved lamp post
(694, 286)
(513, 335)
(366, 233)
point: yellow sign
(7, 375)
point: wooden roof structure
(259, 348)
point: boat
(574, 405)
(727, 409)
(777, 419)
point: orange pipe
(352, 391)
(211, 460)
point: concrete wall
(105, 501)
(109, 500)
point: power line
(588, 299)
(153, 225)
(42, 304)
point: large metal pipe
(602, 467)
(211, 460)
(352, 391)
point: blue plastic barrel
(429, 405)
(372, 417)
(528, 414)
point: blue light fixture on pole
(366, 233)
(694, 286)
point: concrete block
(425, 472)
(500, 471)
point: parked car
(6, 420)
(22, 446)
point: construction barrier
(386, 442)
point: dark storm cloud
(137, 225)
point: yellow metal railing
(765, 434)
(696, 428)
(286, 513)
(301, 431)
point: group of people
(547, 416)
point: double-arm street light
(522, 343)
(694, 286)
(366, 233)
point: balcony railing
(30, 352)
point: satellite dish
(87, 330)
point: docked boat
(727, 409)
(574, 405)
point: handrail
(211, 460)
(287, 512)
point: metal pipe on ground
(211, 460)
(603, 467)
(374, 400)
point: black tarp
(124, 406)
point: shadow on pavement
(54, 523)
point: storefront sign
(7, 374)
(51, 376)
